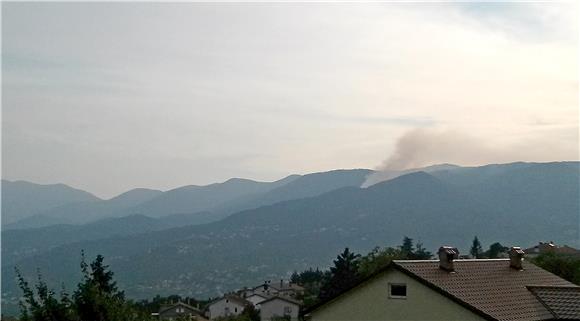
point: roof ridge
(574, 287)
(456, 260)
(282, 298)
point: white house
(229, 305)
(179, 310)
(278, 307)
(269, 288)
(256, 299)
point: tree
(96, 299)
(377, 259)
(495, 250)
(41, 304)
(295, 278)
(421, 253)
(343, 275)
(312, 281)
(251, 313)
(476, 251)
(407, 247)
(564, 266)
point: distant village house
(179, 311)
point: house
(181, 311)
(275, 289)
(229, 305)
(278, 307)
(452, 289)
(551, 247)
(288, 289)
(265, 289)
(256, 298)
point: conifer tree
(407, 247)
(476, 251)
(343, 274)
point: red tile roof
(488, 287)
(562, 301)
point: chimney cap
(517, 250)
(446, 256)
(516, 257)
(449, 250)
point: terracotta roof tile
(490, 287)
(562, 301)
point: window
(287, 310)
(236, 310)
(397, 290)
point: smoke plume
(420, 148)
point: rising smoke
(420, 148)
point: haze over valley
(246, 230)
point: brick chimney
(516, 257)
(446, 256)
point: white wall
(371, 301)
(276, 308)
(255, 299)
(225, 307)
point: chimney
(281, 283)
(516, 257)
(446, 256)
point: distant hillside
(22, 199)
(18, 245)
(517, 205)
(200, 204)
(192, 199)
(134, 197)
(301, 187)
(87, 211)
(21, 243)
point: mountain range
(221, 199)
(299, 222)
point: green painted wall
(371, 301)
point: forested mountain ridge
(22, 199)
(517, 206)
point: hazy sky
(111, 96)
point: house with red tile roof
(551, 247)
(453, 289)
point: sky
(111, 96)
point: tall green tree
(407, 248)
(343, 275)
(495, 250)
(42, 304)
(96, 299)
(476, 251)
(421, 253)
